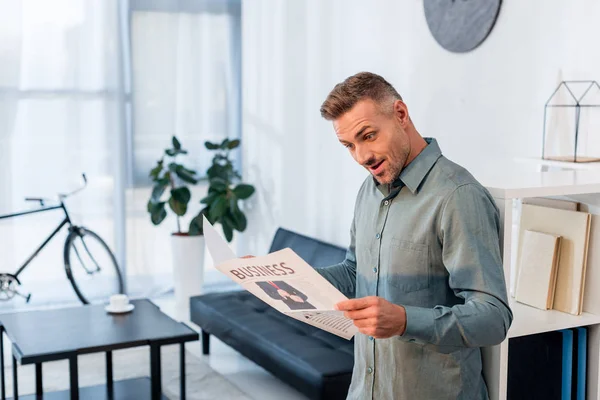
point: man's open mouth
(375, 169)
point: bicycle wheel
(91, 267)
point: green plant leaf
(189, 171)
(179, 200)
(195, 228)
(210, 198)
(227, 219)
(157, 191)
(233, 144)
(227, 230)
(178, 207)
(176, 144)
(206, 213)
(240, 219)
(243, 191)
(155, 172)
(181, 194)
(173, 166)
(224, 144)
(211, 146)
(150, 206)
(217, 171)
(218, 185)
(166, 179)
(185, 174)
(157, 212)
(171, 152)
(217, 208)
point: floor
(249, 377)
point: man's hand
(297, 298)
(375, 316)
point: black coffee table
(49, 335)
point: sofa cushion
(314, 252)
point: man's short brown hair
(364, 85)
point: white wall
(481, 106)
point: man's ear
(401, 112)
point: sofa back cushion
(314, 252)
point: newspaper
(284, 281)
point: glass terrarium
(572, 123)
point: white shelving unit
(507, 185)
(548, 165)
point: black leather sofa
(311, 360)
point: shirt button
(386, 202)
(369, 370)
(375, 269)
(377, 236)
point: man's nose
(362, 155)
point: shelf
(529, 320)
(560, 164)
(512, 183)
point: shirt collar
(414, 173)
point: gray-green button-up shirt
(428, 242)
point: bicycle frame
(64, 222)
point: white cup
(119, 301)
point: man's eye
(369, 136)
(348, 145)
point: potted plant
(170, 187)
(225, 192)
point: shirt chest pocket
(408, 265)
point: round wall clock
(461, 25)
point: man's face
(375, 139)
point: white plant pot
(188, 271)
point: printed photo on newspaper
(284, 281)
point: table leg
(182, 370)
(109, 375)
(39, 388)
(2, 363)
(74, 375)
(205, 343)
(155, 374)
(15, 380)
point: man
(423, 268)
(281, 290)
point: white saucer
(126, 309)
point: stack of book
(552, 255)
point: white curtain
(59, 116)
(185, 64)
(85, 87)
(10, 47)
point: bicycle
(80, 243)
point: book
(574, 229)
(552, 203)
(538, 266)
(578, 390)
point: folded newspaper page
(284, 281)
